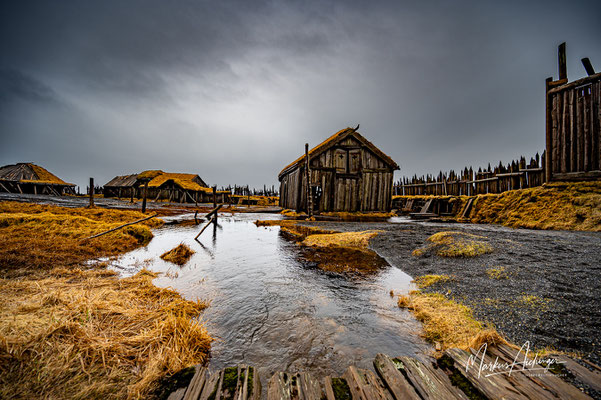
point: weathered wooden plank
(427, 382)
(178, 394)
(394, 380)
(495, 386)
(299, 386)
(573, 141)
(365, 385)
(581, 373)
(515, 385)
(211, 387)
(586, 111)
(554, 124)
(196, 384)
(564, 131)
(554, 387)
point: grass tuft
(455, 244)
(178, 255)
(428, 280)
(445, 321)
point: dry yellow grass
(178, 255)
(562, 205)
(75, 333)
(40, 236)
(68, 332)
(354, 240)
(428, 280)
(447, 322)
(455, 244)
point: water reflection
(271, 310)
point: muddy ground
(549, 292)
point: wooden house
(173, 187)
(122, 186)
(347, 173)
(32, 179)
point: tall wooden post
(548, 131)
(308, 181)
(91, 192)
(144, 196)
(561, 58)
(215, 206)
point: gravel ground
(549, 294)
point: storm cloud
(232, 90)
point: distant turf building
(347, 173)
(32, 179)
(175, 187)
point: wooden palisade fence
(517, 175)
(573, 124)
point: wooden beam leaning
(588, 66)
(213, 219)
(121, 226)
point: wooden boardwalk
(453, 376)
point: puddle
(271, 310)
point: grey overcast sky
(232, 90)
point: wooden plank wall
(350, 177)
(516, 175)
(576, 129)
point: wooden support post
(588, 66)
(548, 131)
(131, 192)
(91, 192)
(561, 58)
(144, 196)
(215, 203)
(308, 181)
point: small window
(340, 158)
(354, 161)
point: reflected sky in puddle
(273, 311)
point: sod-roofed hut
(175, 187)
(347, 173)
(122, 186)
(32, 179)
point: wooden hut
(176, 187)
(347, 173)
(32, 179)
(122, 186)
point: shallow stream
(274, 311)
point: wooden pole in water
(91, 192)
(215, 202)
(144, 196)
(307, 176)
